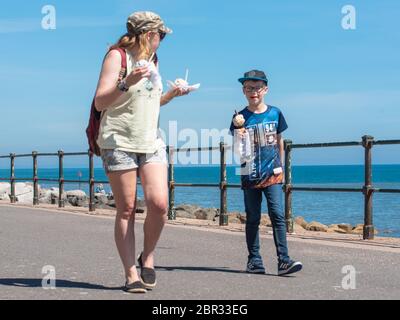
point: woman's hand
(136, 75)
(178, 92)
(173, 93)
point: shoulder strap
(123, 71)
(123, 56)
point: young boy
(262, 171)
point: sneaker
(148, 275)
(255, 266)
(135, 287)
(288, 267)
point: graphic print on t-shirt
(265, 156)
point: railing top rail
(228, 147)
(25, 155)
(326, 145)
(75, 153)
(386, 142)
(201, 149)
(46, 154)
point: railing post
(35, 179)
(61, 203)
(368, 232)
(92, 206)
(12, 178)
(288, 186)
(223, 216)
(171, 184)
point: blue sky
(331, 84)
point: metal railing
(368, 190)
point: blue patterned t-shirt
(264, 168)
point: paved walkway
(192, 263)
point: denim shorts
(118, 160)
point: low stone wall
(78, 198)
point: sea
(325, 207)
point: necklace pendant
(149, 85)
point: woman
(129, 142)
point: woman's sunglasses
(162, 35)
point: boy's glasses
(253, 89)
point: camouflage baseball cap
(143, 21)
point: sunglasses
(162, 35)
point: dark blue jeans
(252, 201)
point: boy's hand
(240, 132)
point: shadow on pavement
(208, 269)
(37, 283)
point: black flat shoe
(135, 287)
(148, 275)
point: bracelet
(122, 86)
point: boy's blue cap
(254, 75)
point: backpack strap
(122, 73)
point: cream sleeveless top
(131, 122)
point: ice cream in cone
(238, 122)
(181, 83)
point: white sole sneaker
(295, 267)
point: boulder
(77, 198)
(346, 227)
(334, 228)
(242, 218)
(111, 203)
(55, 192)
(50, 196)
(44, 201)
(316, 226)
(184, 214)
(78, 201)
(23, 188)
(76, 193)
(5, 187)
(205, 213)
(234, 218)
(25, 197)
(298, 228)
(188, 208)
(44, 193)
(100, 199)
(265, 220)
(140, 203)
(301, 222)
(186, 211)
(4, 196)
(359, 229)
